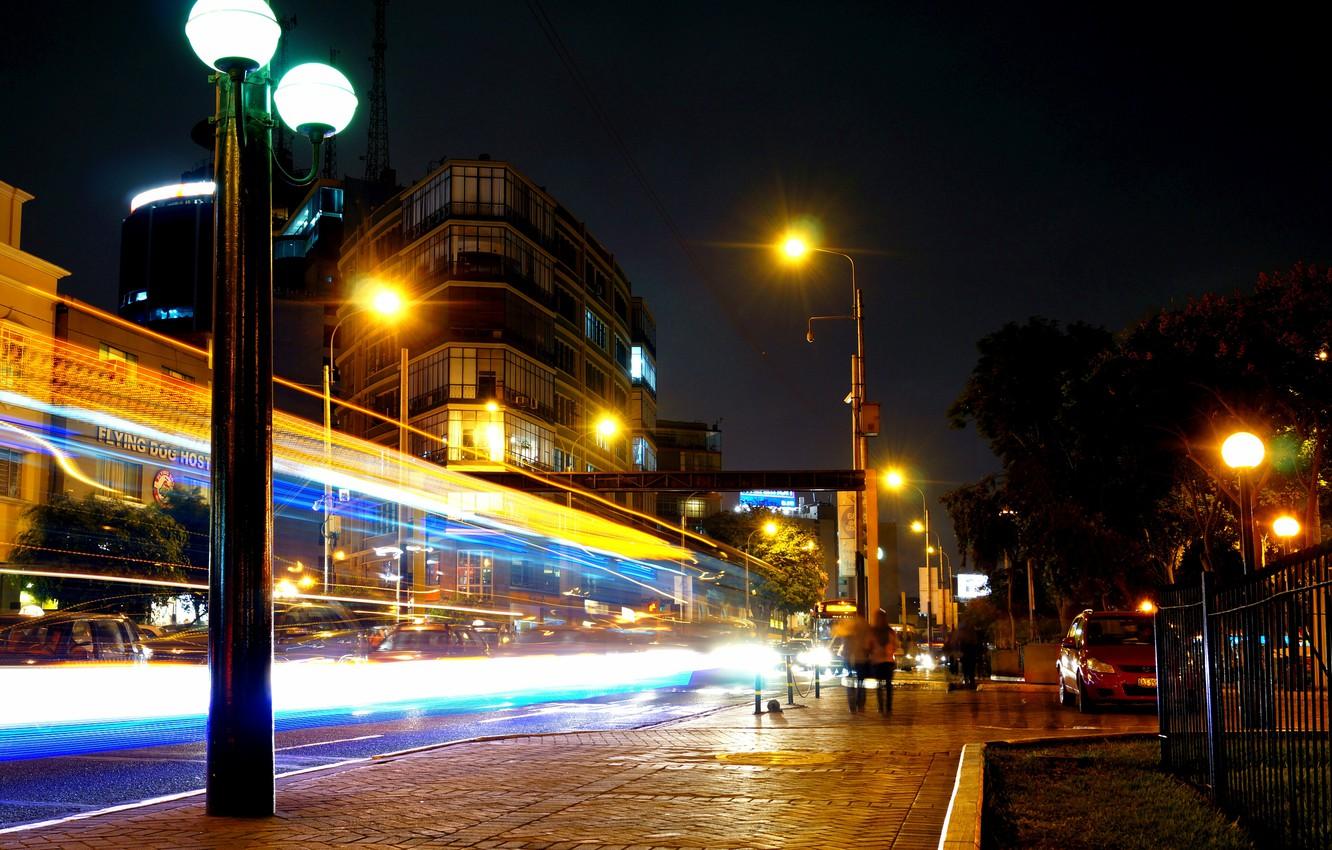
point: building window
(595, 329)
(642, 370)
(566, 360)
(179, 376)
(596, 281)
(622, 353)
(534, 575)
(566, 304)
(622, 306)
(565, 410)
(123, 363)
(476, 573)
(645, 457)
(562, 461)
(11, 473)
(594, 379)
(121, 477)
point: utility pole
(377, 169)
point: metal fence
(1243, 695)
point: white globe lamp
(233, 35)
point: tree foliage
(1111, 478)
(796, 579)
(100, 536)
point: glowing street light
(769, 529)
(237, 38)
(1243, 452)
(387, 303)
(795, 248)
(1287, 528)
(895, 480)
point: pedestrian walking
(855, 634)
(883, 645)
(969, 647)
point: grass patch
(1095, 795)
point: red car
(1108, 657)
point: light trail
(48, 710)
(158, 414)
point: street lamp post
(796, 248)
(769, 529)
(607, 427)
(237, 38)
(1243, 452)
(894, 480)
(1286, 528)
(386, 303)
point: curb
(962, 822)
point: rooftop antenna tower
(330, 167)
(377, 167)
(281, 140)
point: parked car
(301, 631)
(73, 637)
(1108, 657)
(417, 641)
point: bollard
(818, 674)
(790, 683)
(758, 692)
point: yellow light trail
(557, 484)
(61, 379)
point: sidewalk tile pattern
(813, 777)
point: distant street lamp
(795, 248)
(387, 303)
(893, 479)
(1286, 527)
(237, 38)
(1243, 452)
(769, 529)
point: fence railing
(1243, 694)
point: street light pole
(1243, 452)
(859, 446)
(237, 38)
(387, 303)
(240, 636)
(768, 529)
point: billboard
(774, 499)
(972, 585)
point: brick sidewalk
(813, 777)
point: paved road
(814, 777)
(41, 789)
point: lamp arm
(317, 146)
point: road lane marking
(324, 743)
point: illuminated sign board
(972, 585)
(175, 190)
(836, 608)
(142, 445)
(768, 498)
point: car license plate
(1146, 683)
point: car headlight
(1097, 666)
(925, 661)
(817, 657)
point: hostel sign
(138, 444)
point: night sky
(983, 163)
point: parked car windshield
(1119, 631)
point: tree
(100, 536)
(1078, 479)
(797, 580)
(188, 506)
